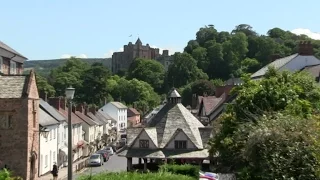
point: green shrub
(7, 175)
(186, 169)
(136, 176)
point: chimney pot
(305, 48)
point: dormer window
(180, 144)
(143, 143)
(13, 67)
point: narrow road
(115, 164)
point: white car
(109, 150)
(95, 160)
(208, 176)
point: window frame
(180, 144)
(8, 118)
(144, 143)
(1, 64)
(13, 67)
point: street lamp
(69, 95)
(45, 132)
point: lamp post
(69, 95)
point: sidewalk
(63, 172)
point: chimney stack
(80, 108)
(43, 95)
(58, 102)
(165, 52)
(305, 48)
(92, 109)
(275, 57)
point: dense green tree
(184, 70)
(68, 75)
(44, 86)
(94, 88)
(280, 96)
(149, 71)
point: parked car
(109, 150)
(104, 154)
(95, 160)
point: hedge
(136, 176)
(186, 169)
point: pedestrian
(54, 172)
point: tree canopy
(271, 128)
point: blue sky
(47, 29)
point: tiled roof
(105, 116)
(95, 119)
(174, 116)
(313, 70)
(45, 119)
(85, 118)
(152, 133)
(119, 105)
(13, 86)
(132, 112)
(101, 118)
(51, 110)
(74, 118)
(210, 102)
(6, 47)
(276, 64)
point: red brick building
(19, 127)
(11, 62)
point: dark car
(104, 154)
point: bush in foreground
(136, 176)
(186, 169)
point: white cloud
(313, 35)
(109, 53)
(66, 56)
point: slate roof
(13, 86)
(174, 93)
(105, 116)
(277, 64)
(174, 116)
(45, 119)
(211, 102)
(164, 153)
(51, 110)
(95, 119)
(85, 118)
(74, 118)
(6, 47)
(119, 105)
(132, 112)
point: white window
(54, 134)
(65, 133)
(13, 67)
(46, 161)
(1, 63)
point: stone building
(172, 134)
(122, 60)
(11, 62)
(19, 126)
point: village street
(115, 164)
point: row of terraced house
(33, 128)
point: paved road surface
(115, 164)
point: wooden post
(145, 163)
(140, 161)
(129, 163)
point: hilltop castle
(122, 60)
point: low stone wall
(81, 165)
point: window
(13, 67)
(54, 134)
(180, 144)
(54, 156)
(5, 121)
(50, 135)
(1, 64)
(143, 143)
(65, 133)
(46, 161)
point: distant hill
(43, 67)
